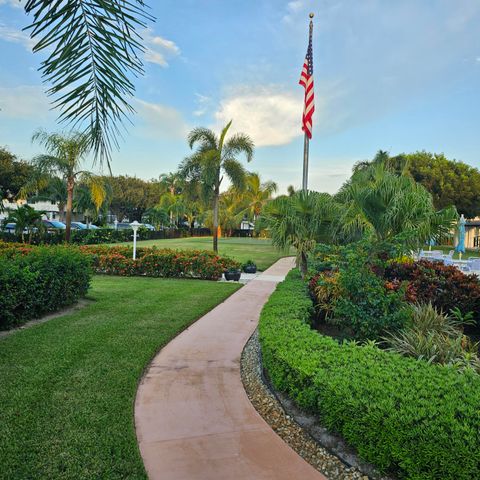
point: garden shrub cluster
(446, 287)
(418, 420)
(367, 289)
(40, 280)
(351, 292)
(154, 262)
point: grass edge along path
(68, 385)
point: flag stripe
(306, 81)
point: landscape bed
(406, 416)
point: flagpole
(306, 144)
(306, 141)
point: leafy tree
(14, 174)
(132, 196)
(64, 157)
(215, 158)
(26, 218)
(93, 50)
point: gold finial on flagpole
(312, 15)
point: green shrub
(436, 338)
(39, 280)
(404, 415)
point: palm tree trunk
(68, 221)
(303, 265)
(215, 219)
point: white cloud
(268, 114)
(14, 35)
(160, 121)
(11, 3)
(202, 102)
(293, 8)
(159, 49)
(24, 102)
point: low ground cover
(68, 385)
(406, 416)
(261, 251)
(37, 281)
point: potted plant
(232, 274)
(250, 267)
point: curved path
(193, 418)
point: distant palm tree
(215, 158)
(64, 157)
(257, 194)
(55, 192)
(26, 218)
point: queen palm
(64, 158)
(215, 159)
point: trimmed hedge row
(419, 420)
(154, 262)
(36, 281)
(105, 235)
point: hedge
(105, 235)
(36, 281)
(418, 420)
(154, 262)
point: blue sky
(397, 75)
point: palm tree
(93, 51)
(257, 194)
(55, 192)
(65, 154)
(172, 182)
(214, 159)
(156, 216)
(380, 203)
(25, 218)
(299, 221)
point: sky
(396, 75)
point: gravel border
(302, 432)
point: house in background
(52, 212)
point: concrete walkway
(193, 418)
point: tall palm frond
(93, 51)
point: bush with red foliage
(444, 286)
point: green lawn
(67, 386)
(260, 251)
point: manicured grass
(67, 387)
(260, 251)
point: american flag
(306, 80)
